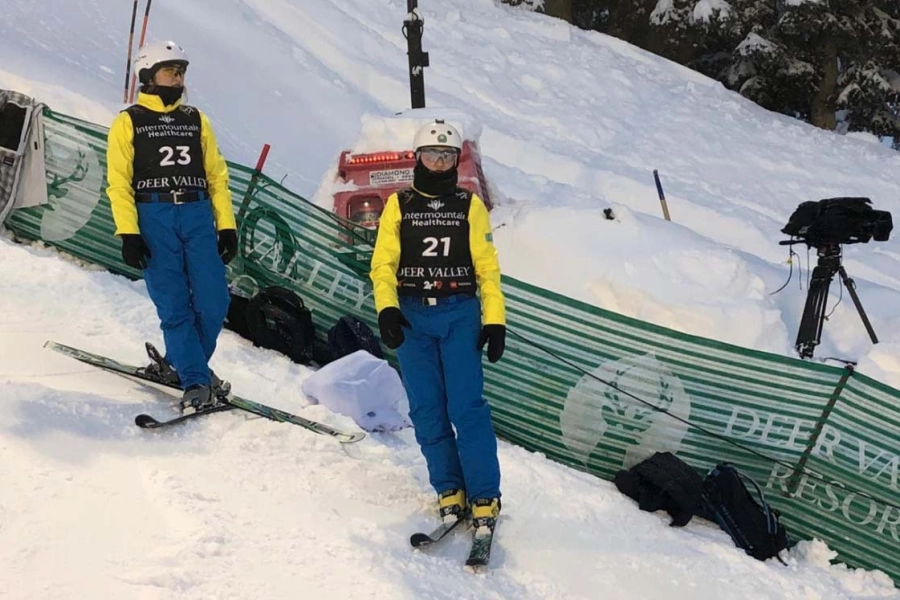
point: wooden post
(251, 186)
(662, 196)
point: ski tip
(476, 569)
(350, 438)
(419, 540)
(146, 421)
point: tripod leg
(851, 287)
(810, 333)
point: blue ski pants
(185, 277)
(442, 373)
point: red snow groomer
(377, 175)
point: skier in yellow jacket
(437, 291)
(168, 188)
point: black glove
(134, 251)
(495, 338)
(391, 323)
(227, 244)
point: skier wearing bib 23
(168, 188)
(437, 291)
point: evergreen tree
(869, 88)
(561, 9)
(834, 63)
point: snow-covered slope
(231, 507)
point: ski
(421, 539)
(229, 400)
(286, 417)
(150, 422)
(480, 553)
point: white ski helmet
(438, 134)
(152, 57)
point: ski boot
(197, 398)
(484, 514)
(452, 505)
(220, 387)
(163, 371)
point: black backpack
(744, 515)
(236, 320)
(277, 319)
(350, 334)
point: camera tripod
(810, 333)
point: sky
(569, 123)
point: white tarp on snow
(364, 388)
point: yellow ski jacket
(386, 260)
(120, 169)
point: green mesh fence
(586, 387)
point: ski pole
(662, 196)
(130, 44)
(251, 187)
(140, 44)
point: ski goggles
(173, 70)
(434, 153)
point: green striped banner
(586, 387)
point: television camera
(825, 225)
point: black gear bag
(277, 319)
(350, 334)
(663, 482)
(743, 514)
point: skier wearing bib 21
(437, 292)
(168, 188)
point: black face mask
(434, 183)
(169, 94)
